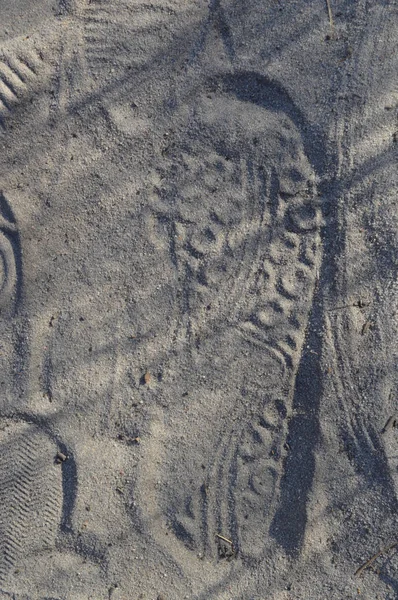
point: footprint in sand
(30, 482)
(38, 480)
(239, 201)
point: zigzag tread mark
(24, 478)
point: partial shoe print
(24, 71)
(30, 495)
(38, 480)
(30, 482)
(238, 199)
(40, 69)
(119, 34)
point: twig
(391, 423)
(221, 537)
(228, 551)
(357, 304)
(330, 15)
(373, 558)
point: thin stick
(373, 558)
(392, 422)
(221, 537)
(330, 15)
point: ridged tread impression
(243, 216)
(118, 34)
(240, 204)
(30, 494)
(21, 70)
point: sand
(199, 309)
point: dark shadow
(372, 463)
(182, 533)
(69, 489)
(289, 524)
(10, 229)
(258, 89)
(216, 19)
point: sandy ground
(199, 299)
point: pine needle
(330, 16)
(373, 558)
